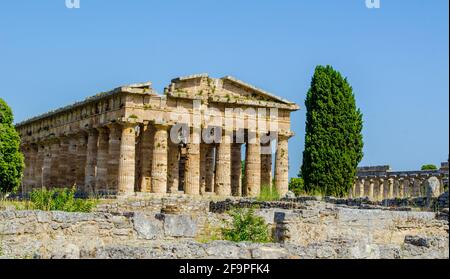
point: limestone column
(63, 160)
(371, 189)
(380, 191)
(127, 159)
(192, 169)
(54, 166)
(80, 159)
(222, 183)
(115, 133)
(173, 162)
(159, 166)
(391, 188)
(101, 178)
(91, 161)
(72, 162)
(361, 188)
(266, 169)
(203, 153)
(147, 154)
(409, 189)
(236, 169)
(40, 165)
(282, 165)
(46, 165)
(253, 167)
(34, 177)
(209, 166)
(401, 187)
(417, 186)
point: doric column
(147, 154)
(80, 159)
(236, 169)
(63, 160)
(34, 176)
(361, 187)
(192, 169)
(401, 187)
(380, 189)
(46, 165)
(54, 165)
(409, 187)
(371, 189)
(203, 152)
(173, 162)
(127, 159)
(253, 166)
(282, 165)
(391, 188)
(101, 178)
(222, 183)
(91, 161)
(266, 167)
(72, 162)
(159, 166)
(209, 179)
(115, 132)
(417, 186)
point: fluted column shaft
(361, 188)
(266, 169)
(159, 166)
(72, 161)
(222, 183)
(115, 133)
(236, 170)
(81, 158)
(192, 169)
(55, 163)
(173, 162)
(282, 165)
(371, 188)
(147, 154)
(46, 165)
(127, 159)
(391, 188)
(209, 167)
(253, 167)
(91, 161)
(101, 178)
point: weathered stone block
(179, 225)
(146, 227)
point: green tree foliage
(246, 226)
(333, 139)
(297, 186)
(429, 167)
(11, 160)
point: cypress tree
(11, 160)
(333, 139)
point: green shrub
(246, 226)
(60, 199)
(297, 186)
(429, 167)
(268, 194)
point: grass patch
(268, 194)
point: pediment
(225, 90)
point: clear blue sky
(395, 57)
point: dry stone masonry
(122, 141)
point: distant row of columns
(379, 188)
(104, 160)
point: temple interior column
(159, 166)
(91, 161)
(222, 183)
(63, 160)
(47, 165)
(81, 158)
(236, 169)
(115, 133)
(147, 136)
(101, 178)
(173, 172)
(192, 169)
(127, 162)
(371, 189)
(282, 165)
(209, 167)
(380, 189)
(253, 165)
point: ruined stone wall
(152, 229)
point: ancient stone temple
(191, 139)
